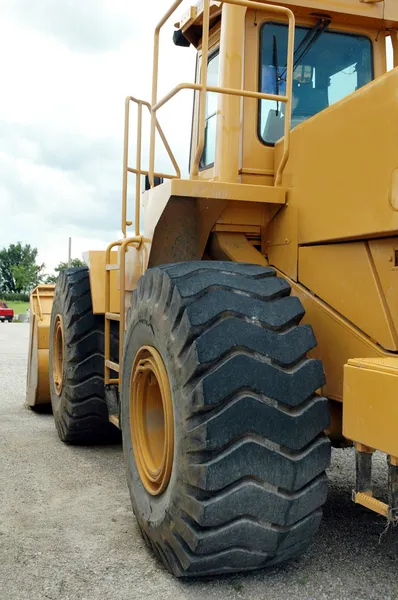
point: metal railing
(138, 171)
(121, 316)
(47, 290)
(203, 88)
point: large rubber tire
(80, 410)
(248, 478)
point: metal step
(112, 365)
(112, 316)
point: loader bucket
(37, 388)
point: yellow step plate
(370, 403)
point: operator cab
(335, 54)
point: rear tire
(77, 380)
(248, 477)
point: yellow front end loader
(253, 322)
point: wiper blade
(307, 42)
(316, 32)
(276, 67)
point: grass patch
(19, 307)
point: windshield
(335, 65)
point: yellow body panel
(96, 262)
(235, 247)
(337, 340)
(217, 190)
(385, 257)
(38, 387)
(280, 242)
(345, 277)
(370, 410)
(180, 213)
(343, 182)
(354, 11)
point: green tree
(75, 262)
(19, 271)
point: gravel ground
(67, 530)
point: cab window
(209, 149)
(327, 67)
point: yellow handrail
(124, 243)
(107, 329)
(138, 171)
(155, 105)
(203, 88)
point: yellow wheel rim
(58, 354)
(151, 420)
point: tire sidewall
(56, 399)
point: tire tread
(254, 449)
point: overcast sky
(66, 67)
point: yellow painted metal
(220, 190)
(151, 420)
(114, 420)
(372, 13)
(258, 160)
(385, 258)
(337, 339)
(251, 197)
(58, 354)
(280, 241)
(254, 230)
(368, 501)
(345, 277)
(226, 164)
(345, 191)
(363, 448)
(155, 71)
(370, 408)
(394, 41)
(112, 366)
(235, 247)
(393, 460)
(138, 171)
(202, 87)
(110, 314)
(96, 260)
(38, 388)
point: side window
(342, 83)
(210, 114)
(328, 65)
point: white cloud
(66, 69)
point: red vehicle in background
(6, 314)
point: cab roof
(367, 13)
